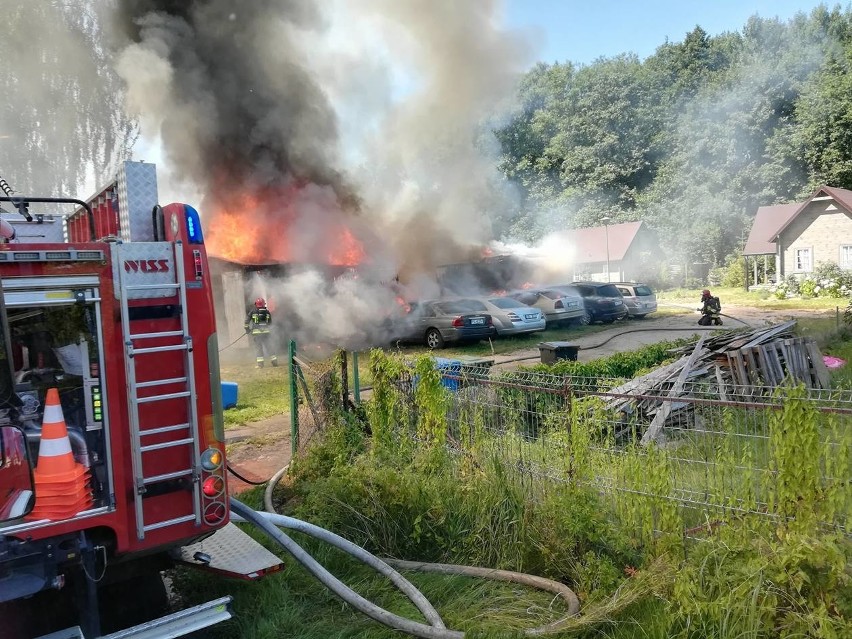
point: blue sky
(583, 30)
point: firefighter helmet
(259, 303)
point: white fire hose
(271, 523)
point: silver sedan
(511, 317)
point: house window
(846, 256)
(803, 260)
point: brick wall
(822, 227)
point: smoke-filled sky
(287, 115)
(286, 119)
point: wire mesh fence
(719, 449)
(320, 390)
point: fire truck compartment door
(49, 291)
(147, 264)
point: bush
(792, 284)
(734, 272)
(827, 280)
(616, 365)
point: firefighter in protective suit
(711, 309)
(259, 326)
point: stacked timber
(731, 366)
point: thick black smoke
(234, 102)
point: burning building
(283, 116)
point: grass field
(757, 299)
(263, 392)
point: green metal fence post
(294, 400)
(356, 382)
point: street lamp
(606, 221)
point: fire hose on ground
(271, 524)
(633, 330)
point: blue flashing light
(193, 226)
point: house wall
(641, 262)
(823, 227)
(596, 272)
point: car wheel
(585, 319)
(434, 338)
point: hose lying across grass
(270, 523)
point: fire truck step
(162, 398)
(181, 623)
(161, 382)
(152, 335)
(169, 522)
(163, 429)
(230, 551)
(171, 444)
(159, 349)
(153, 479)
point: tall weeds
(763, 568)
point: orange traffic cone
(61, 484)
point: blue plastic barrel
(450, 370)
(230, 390)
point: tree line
(692, 139)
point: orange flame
(405, 306)
(263, 227)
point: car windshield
(553, 295)
(505, 302)
(608, 291)
(643, 290)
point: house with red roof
(803, 235)
(614, 252)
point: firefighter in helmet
(711, 309)
(259, 326)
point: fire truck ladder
(187, 433)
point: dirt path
(259, 449)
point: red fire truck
(117, 316)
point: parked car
(602, 302)
(437, 322)
(559, 307)
(512, 317)
(638, 298)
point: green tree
(62, 121)
(824, 111)
(693, 139)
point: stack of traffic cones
(61, 484)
